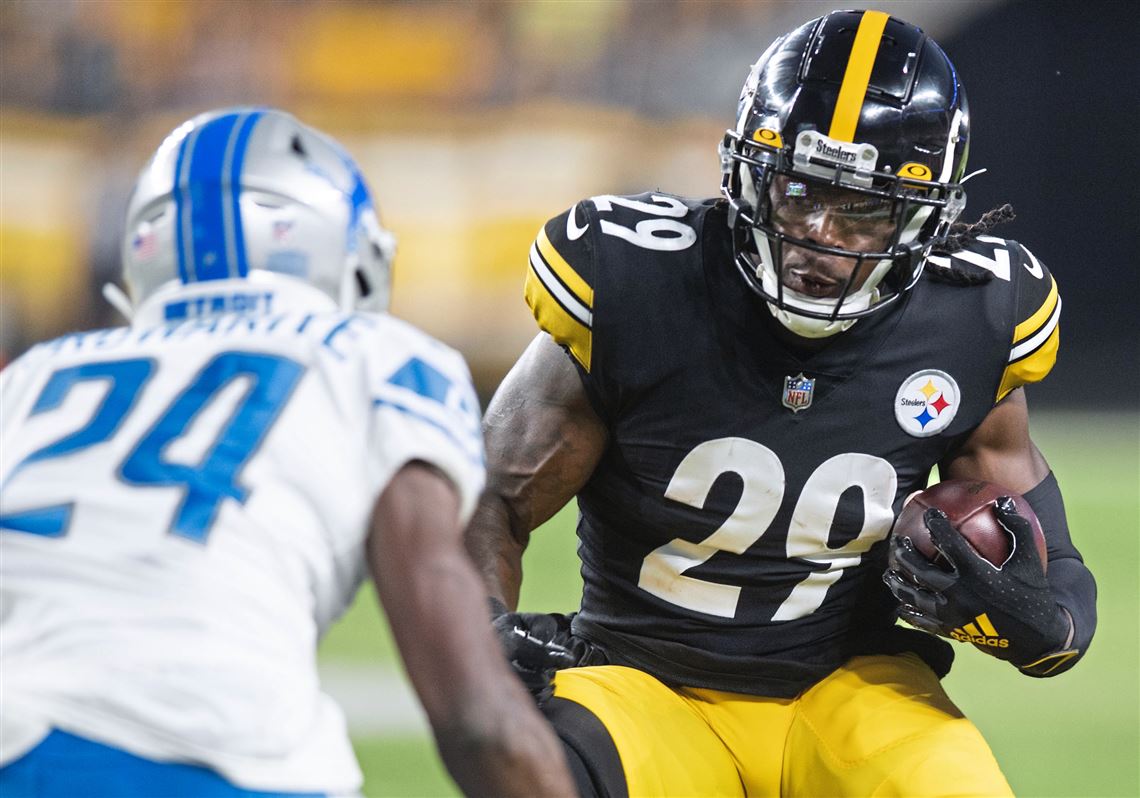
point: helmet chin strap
(117, 299)
(801, 325)
(807, 327)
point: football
(968, 505)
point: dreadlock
(961, 234)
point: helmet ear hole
(362, 284)
(155, 216)
(298, 146)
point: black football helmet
(857, 121)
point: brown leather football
(968, 505)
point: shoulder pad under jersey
(601, 232)
(560, 281)
(1036, 332)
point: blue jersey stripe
(238, 160)
(423, 378)
(48, 522)
(464, 446)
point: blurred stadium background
(476, 121)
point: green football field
(1076, 735)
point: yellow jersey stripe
(986, 626)
(558, 290)
(556, 320)
(1031, 368)
(565, 272)
(857, 75)
(972, 630)
(1034, 322)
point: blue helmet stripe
(361, 201)
(208, 209)
(238, 160)
(359, 197)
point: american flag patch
(282, 229)
(143, 244)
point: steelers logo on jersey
(927, 402)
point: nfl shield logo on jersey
(798, 391)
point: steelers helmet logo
(927, 402)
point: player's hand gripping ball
(967, 561)
(969, 507)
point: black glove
(538, 644)
(1008, 611)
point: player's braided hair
(960, 235)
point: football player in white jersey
(190, 501)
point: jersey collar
(259, 293)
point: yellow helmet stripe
(857, 76)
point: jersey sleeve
(560, 282)
(1036, 331)
(15, 383)
(427, 409)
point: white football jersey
(183, 510)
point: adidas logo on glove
(980, 633)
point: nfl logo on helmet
(798, 392)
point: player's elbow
(497, 524)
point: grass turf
(1078, 734)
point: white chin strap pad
(807, 327)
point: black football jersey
(733, 535)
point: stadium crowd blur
(474, 122)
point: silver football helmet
(240, 190)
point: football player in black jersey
(741, 393)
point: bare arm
(1000, 449)
(543, 442)
(490, 735)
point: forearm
(543, 442)
(489, 732)
(1074, 588)
(1070, 581)
(487, 767)
(490, 736)
(495, 549)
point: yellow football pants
(878, 726)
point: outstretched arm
(543, 442)
(490, 736)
